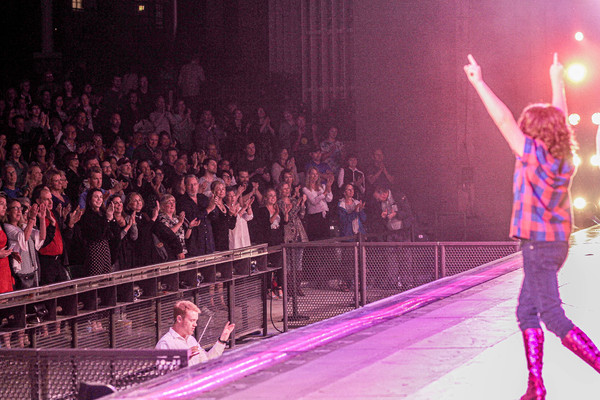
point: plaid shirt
(542, 203)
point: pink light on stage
(576, 72)
(579, 36)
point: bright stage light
(579, 203)
(595, 160)
(576, 72)
(574, 119)
(576, 160)
(579, 36)
(596, 118)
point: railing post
(443, 250)
(437, 261)
(362, 265)
(285, 288)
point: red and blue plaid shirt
(542, 203)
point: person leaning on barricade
(181, 335)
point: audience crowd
(94, 182)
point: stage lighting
(141, 8)
(576, 72)
(579, 203)
(579, 36)
(576, 160)
(596, 118)
(574, 119)
(595, 160)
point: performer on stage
(181, 335)
(543, 144)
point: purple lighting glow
(192, 386)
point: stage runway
(453, 339)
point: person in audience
(208, 132)
(221, 218)
(84, 133)
(305, 139)
(42, 158)
(176, 223)
(256, 167)
(263, 135)
(239, 236)
(9, 182)
(377, 172)
(33, 178)
(143, 251)
(293, 231)
(181, 335)
(317, 195)
(6, 279)
(26, 240)
(332, 150)
(90, 110)
(95, 228)
(54, 181)
(74, 177)
(182, 125)
(544, 146)
(196, 207)
(191, 82)
(209, 177)
(15, 158)
(394, 217)
(351, 213)
(288, 125)
(59, 231)
(161, 117)
(125, 232)
(352, 175)
(284, 162)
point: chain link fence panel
(56, 374)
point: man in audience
(181, 334)
(255, 166)
(210, 175)
(197, 207)
(147, 150)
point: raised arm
(559, 99)
(500, 114)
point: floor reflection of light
(220, 376)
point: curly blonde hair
(548, 124)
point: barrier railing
(57, 374)
(133, 308)
(324, 279)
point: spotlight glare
(574, 119)
(579, 203)
(579, 36)
(576, 160)
(595, 160)
(596, 118)
(576, 72)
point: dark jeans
(539, 298)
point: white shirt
(174, 341)
(317, 200)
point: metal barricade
(56, 374)
(328, 278)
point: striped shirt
(542, 203)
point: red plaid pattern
(542, 202)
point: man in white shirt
(181, 335)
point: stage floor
(454, 339)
